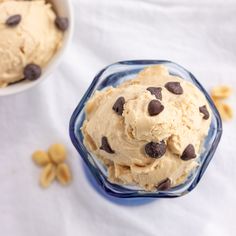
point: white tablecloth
(200, 35)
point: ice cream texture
(34, 39)
(149, 130)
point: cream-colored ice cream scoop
(34, 39)
(148, 131)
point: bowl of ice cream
(34, 36)
(146, 129)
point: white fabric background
(200, 35)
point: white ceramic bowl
(63, 9)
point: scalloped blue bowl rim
(111, 188)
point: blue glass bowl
(114, 75)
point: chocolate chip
(155, 91)
(155, 107)
(188, 153)
(62, 23)
(155, 150)
(32, 72)
(118, 107)
(205, 112)
(106, 146)
(13, 20)
(164, 185)
(174, 87)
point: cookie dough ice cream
(30, 35)
(149, 130)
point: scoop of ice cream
(148, 131)
(35, 39)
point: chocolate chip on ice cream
(106, 146)
(32, 72)
(174, 87)
(62, 23)
(155, 150)
(155, 107)
(118, 107)
(205, 112)
(188, 153)
(155, 91)
(13, 20)
(164, 185)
